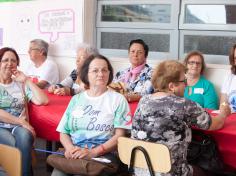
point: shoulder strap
(25, 103)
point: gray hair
(88, 48)
(42, 45)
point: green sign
(13, 0)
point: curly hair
(165, 73)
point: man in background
(43, 71)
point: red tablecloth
(226, 140)
(46, 118)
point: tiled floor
(40, 169)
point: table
(46, 118)
(226, 140)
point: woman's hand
(132, 96)
(71, 152)
(19, 76)
(225, 109)
(52, 88)
(26, 125)
(60, 91)
(77, 152)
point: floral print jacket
(168, 120)
(142, 84)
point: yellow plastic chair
(10, 160)
(159, 154)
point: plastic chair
(159, 154)
(10, 160)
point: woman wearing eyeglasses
(16, 90)
(166, 117)
(198, 88)
(136, 78)
(96, 117)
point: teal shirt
(203, 92)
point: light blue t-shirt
(12, 100)
(91, 120)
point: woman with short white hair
(72, 85)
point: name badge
(198, 91)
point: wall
(17, 28)
(60, 23)
(215, 73)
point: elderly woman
(15, 91)
(198, 88)
(228, 90)
(72, 84)
(166, 117)
(96, 117)
(137, 78)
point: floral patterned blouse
(142, 84)
(167, 120)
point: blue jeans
(22, 139)
(2, 172)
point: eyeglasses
(31, 49)
(96, 71)
(5, 60)
(194, 62)
(183, 81)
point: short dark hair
(5, 49)
(195, 53)
(141, 42)
(231, 59)
(85, 69)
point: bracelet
(103, 150)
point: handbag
(203, 152)
(88, 167)
(132, 160)
(118, 87)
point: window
(210, 14)
(214, 44)
(115, 42)
(146, 13)
(208, 26)
(119, 22)
(171, 28)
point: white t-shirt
(229, 88)
(91, 120)
(12, 99)
(48, 71)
